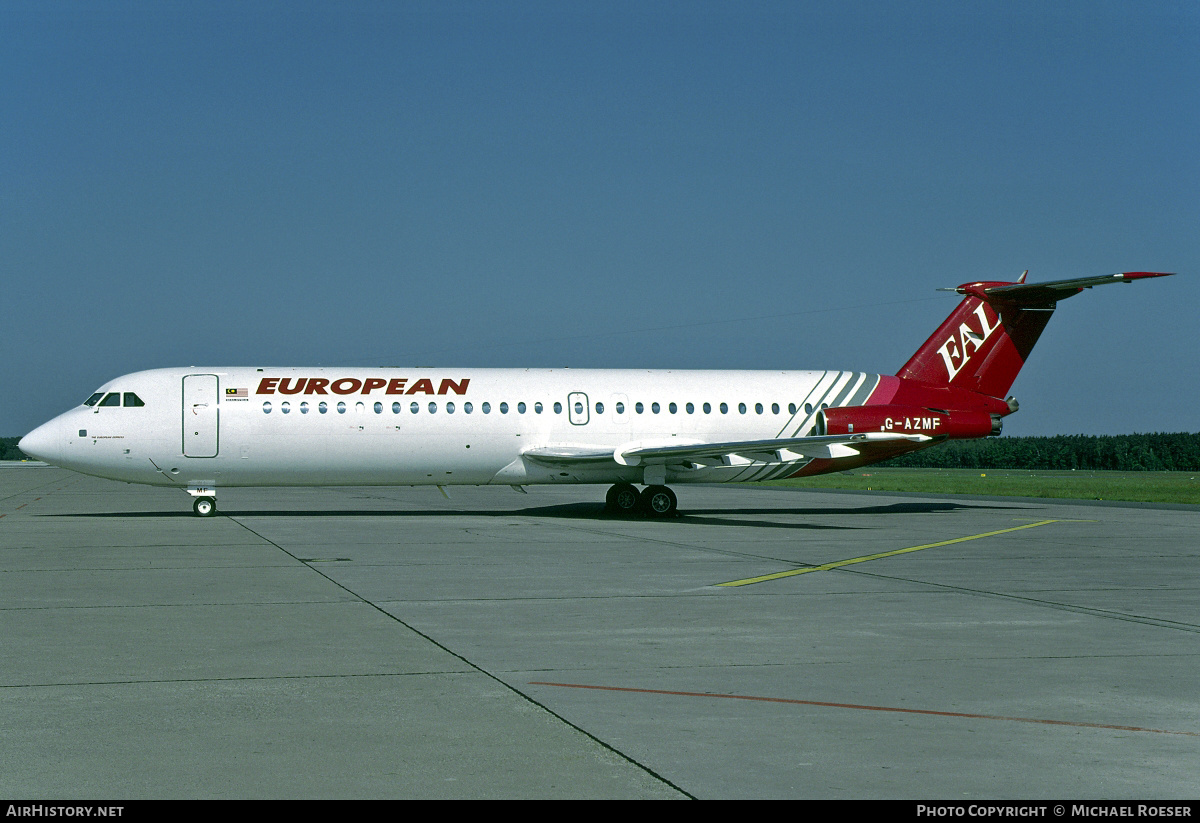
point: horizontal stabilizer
(1038, 294)
(986, 340)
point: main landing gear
(654, 501)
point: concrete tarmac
(388, 642)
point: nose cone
(43, 443)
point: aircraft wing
(776, 450)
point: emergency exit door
(577, 408)
(200, 415)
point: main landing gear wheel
(658, 501)
(205, 506)
(622, 498)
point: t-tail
(971, 361)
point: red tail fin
(986, 340)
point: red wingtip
(1138, 275)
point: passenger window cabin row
(450, 407)
(130, 400)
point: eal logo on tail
(958, 348)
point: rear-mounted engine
(908, 420)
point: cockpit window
(114, 399)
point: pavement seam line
(529, 699)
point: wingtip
(1138, 275)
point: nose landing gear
(205, 506)
(204, 500)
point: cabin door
(200, 415)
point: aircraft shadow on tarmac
(596, 512)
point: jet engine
(908, 420)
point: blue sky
(602, 184)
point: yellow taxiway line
(824, 567)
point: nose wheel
(205, 506)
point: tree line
(1122, 452)
(9, 450)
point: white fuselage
(201, 427)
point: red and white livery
(200, 429)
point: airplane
(200, 429)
